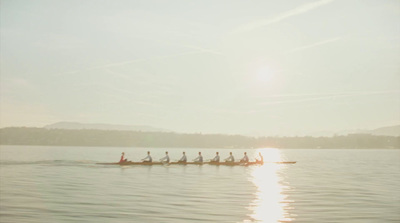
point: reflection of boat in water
(129, 163)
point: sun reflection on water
(271, 204)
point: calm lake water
(64, 184)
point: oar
(164, 162)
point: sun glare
(264, 74)
(271, 204)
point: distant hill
(114, 138)
(77, 125)
(387, 131)
(384, 131)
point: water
(63, 184)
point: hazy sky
(248, 67)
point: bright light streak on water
(270, 204)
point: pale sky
(233, 67)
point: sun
(264, 74)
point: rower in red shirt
(122, 158)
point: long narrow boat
(187, 163)
(248, 163)
(234, 163)
(283, 162)
(129, 163)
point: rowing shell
(248, 163)
(129, 163)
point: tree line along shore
(91, 137)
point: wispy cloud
(317, 97)
(201, 49)
(103, 66)
(323, 42)
(128, 62)
(292, 99)
(285, 15)
(17, 86)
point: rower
(122, 158)
(216, 158)
(230, 159)
(261, 160)
(183, 159)
(245, 159)
(166, 158)
(199, 159)
(148, 158)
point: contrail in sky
(205, 50)
(138, 60)
(294, 12)
(313, 45)
(317, 97)
(303, 98)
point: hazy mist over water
(63, 184)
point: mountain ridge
(101, 126)
(386, 131)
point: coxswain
(199, 159)
(165, 159)
(245, 158)
(216, 158)
(123, 158)
(230, 159)
(148, 158)
(261, 160)
(183, 159)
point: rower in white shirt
(148, 158)
(183, 159)
(165, 158)
(245, 159)
(230, 158)
(216, 158)
(199, 159)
